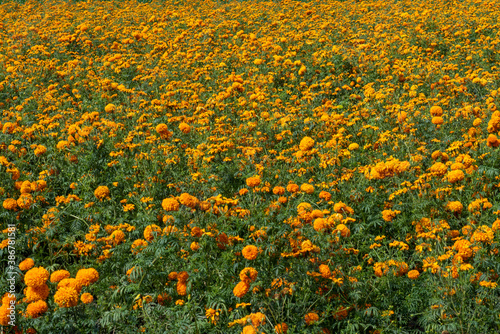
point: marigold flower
(86, 298)
(181, 288)
(437, 120)
(253, 181)
(492, 141)
(307, 188)
(281, 328)
(59, 275)
(389, 215)
(85, 277)
(10, 204)
(109, 108)
(455, 206)
(241, 289)
(188, 200)
(182, 276)
(325, 195)
(26, 264)
(194, 246)
(70, 282)
(319, 224)
(311, 318)
(170, 204)
(436, 111)
(138, 245)
(257, 319)
(36, 309)
(353, 146)
(455, 176)
(248, 274)
(250, 252)
(344, 230)
(36, 277)
(152, 231)
(24, 201)
(101, 192)
(325, 271)
(66, 297)
(40, 150)
(413, 274)
(37, 293)
(249, 329)
(278, 190)
(184, 127)
(306, 144)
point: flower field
(250, 166)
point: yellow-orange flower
(250, 252)
(26, 264)
(59, 275)
(101, 192)
(37, 293)
(170, 204)
(36, 277)
(85, 277)
(241, 289)
(66, 297)
(152, 231)
(248, 274)
(311, 318)
(306, 144)
(455, 176)
(184, 127)
(436, 111)
(86, 298)
(36, 309)
(307, 188)
(413, 274)
(253, 181)
(10, 204)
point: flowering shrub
(250, 167)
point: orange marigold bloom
(413, 274)
(249, 329)
(10, 204)
(170, 204)
(325, 195)
(307, 188)
(344, 230)
(278, 190)
(320, 224)
(292, 188)
(325, 271)
(86, 298)
(311, 318)
(85, 277)
(26, 264)
(181, 288)
(257, 319)
(110, 108)
(306, 144)
(184, 127)
(250, 252)
(152, 231)
(40, 150)
(71, 283)
(248, 274)
(101, 192)
(36, 309)
(25, 200)
(36, 277)
(455, 176)
(38, 293)
(455, 206)
(188, 200)
(281, 328)
(59, 275)
(194, 246)
(437, 120)
(66, 297)
(492, 141)
(253, 181)
(241, 289)
(436, 111)
(182, 276)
